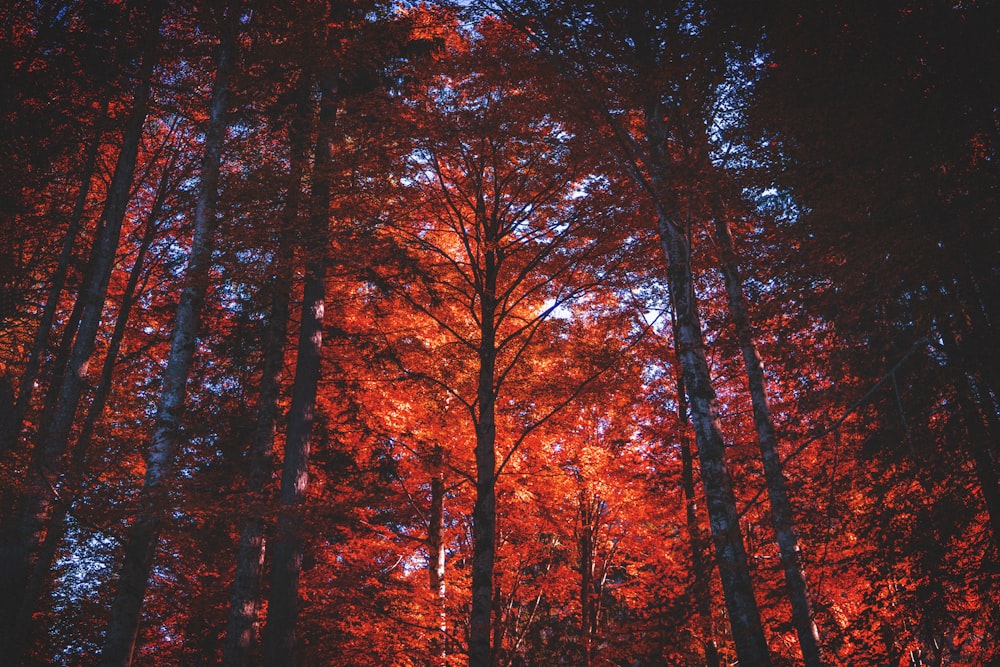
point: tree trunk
(70, 491)
(730, 552)
(144, 533)
(701, 588)
(28, 380)
(21, 541)
(286, 559)
(587, 529)
(484, 510)
(436, 561)
(250, 555)
(782, 517)
(978, 441)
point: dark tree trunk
(286, 554)
(21, 541)
(782, 517)
(978, 441)
(250, 555)
(730, 552)
(28, 380)
(24, 631)
(436, 561)
(484, 510)
(144, 533)
(586, 543)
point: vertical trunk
(781, 509)
(436, 561)
(701, 588)
(250, 554)
(56, 527)
(730, 552)
(978, 441)
(699, 561)
(286, 559)
(484, 511)
(140, 548)
(18, 544)
(586, 575)
(27, 383)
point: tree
(649, 42)
(144, 533)
(495, 237)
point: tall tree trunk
(436, 561)
(782, 517)
(730, 552)
(250, 555)
(22, 539)
(28, 380)
(484, 510)
(24, 632)
(701, 587)
(286, 559)
(143, 536)
(586, 575)
(978, 441)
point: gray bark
(436, 561)
(250, 555)
(700, 572)
(782, 517)
(700, 588)
(23, 538)
(144, 533)
(24, 631)
(727, 536)
(286, 554)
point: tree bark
(588, 619)
(24, 631)
(484, 509)
(21, 541)
(701, 587)
(144, 533)
(436, 561)
(730, 552)
(28, 380)
(782, 517)
(250, 555)
(286, 559)
(978, 442)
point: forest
(500, 333)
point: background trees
(493, 416)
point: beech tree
(412, 257)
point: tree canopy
(498, 334)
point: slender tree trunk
(286, 558)
(484, 510)
(782, 517)
(978, 442)
(436, 561)
(701, 588)
(586, 575)
(730, 552)
(15, 554)
(29, 378)
(250, 556)
(144, 533)
(24, 632)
